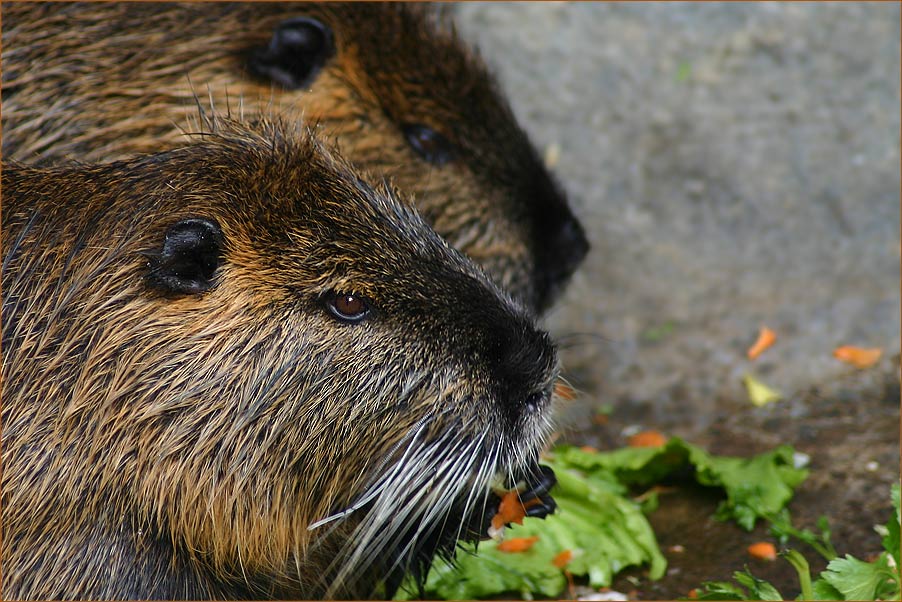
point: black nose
(524, 369)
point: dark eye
(428, 143)
(347, 308)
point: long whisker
(380, 485)
(576, 339)
(417, 496)
(486, 472)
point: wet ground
(735, 164)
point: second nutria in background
(404, 96)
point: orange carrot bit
(510, 510)
(763, 550)
(517, 544)
(647, 439)
(693, 594)
(766, 338)
(588, 449)
(564, 391)
(858, 356)
(562, 559)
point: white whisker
(377, 488)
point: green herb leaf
(800, 564)
(822, 590)
(759, 589)
(721, 590)
(782, 528)
(856, 579)
(891, 540)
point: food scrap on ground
(759, 393)
(552, 155)
(766, 338)
(647, 439)
(602, 414)
(859, 357)
(763, 550)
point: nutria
(234, 370)
(404, 96)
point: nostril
(535, 401)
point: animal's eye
(347, 308)
(428, 143)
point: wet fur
(103, 81)
(158, 445)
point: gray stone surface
(735, 165)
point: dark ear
(297, 51)
(189, 258)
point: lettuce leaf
(756, 487)
(603, 529)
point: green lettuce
(604, 530)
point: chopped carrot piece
(564, 391)
(647, 439)
(510, 510)
(588, 449)
(693, 594)
(766, 338)
(858, 356)
(763, 550)
(517, 544)
(562, 559)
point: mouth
(442, 483)
(437, 494)
(465, 522)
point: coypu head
(239, 365)
(404, 96)
(407, 98)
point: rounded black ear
(191, 253)
(297, 51)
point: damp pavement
(735, 165)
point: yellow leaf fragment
(759, 393)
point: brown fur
(106, 80)
(162, 445)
